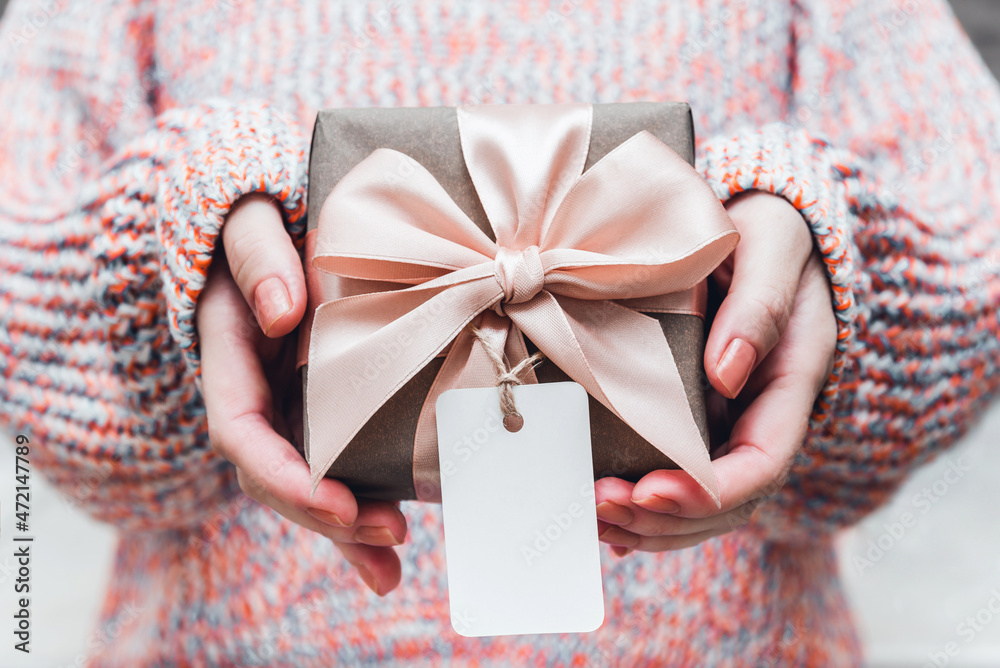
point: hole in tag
(513, 422)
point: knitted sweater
(129, 127)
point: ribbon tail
(365, 348)
(466, 365)
(426, 466)
(622, 358)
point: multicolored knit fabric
(128, 128)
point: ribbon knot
(519, 273)
(640, 223)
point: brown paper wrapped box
(378, 463)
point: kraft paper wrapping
(378, 463)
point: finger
(265, 264)
(767, 265)
(723, 274)
(613, 535)
(766, 437)
(379, 567)
(379, 523)
(762, 444)
(615, 507)
(623, 542)
(238, 404)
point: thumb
(775, 244)
(265, 264)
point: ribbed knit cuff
(224, 151)
(815, 178)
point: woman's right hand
(253, 299)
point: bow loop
(400, 229)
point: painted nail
(616, 536)
(735, 366)
(379, 536)
(272, 302)
(621, 551)
(659, 504)
(327, 517)
(614, 513)
(368, 578)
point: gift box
(607, 236)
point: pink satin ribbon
(638, 224)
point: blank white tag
(520, 519)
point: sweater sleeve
(109, 213)
(889, 150)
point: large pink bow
(639, 223)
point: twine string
(507, 378)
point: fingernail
(614, 513)
(272, 302)
(616, 536)
(368, 578)
(659, 504)
(379, 536)
(621, 551)
(327, 517)
(734, 368)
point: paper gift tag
(520, 519)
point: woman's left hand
(768, 354)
